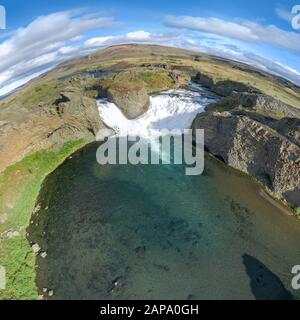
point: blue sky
(41, 34)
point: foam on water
(172, 109)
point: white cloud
(260, 62)
(234, 52)
(99, 41)
(241, 30)
(140, 36)
(17, 83)
(42, 43)
(51, 39)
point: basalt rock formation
(266, 147)
(248, 97)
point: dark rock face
(129, 89)
(254, 133)
(204, 80)
(254, 148)
(265, 103)
(223, 88)
(71, 117)
(289, 127)
(226, 88)
(132, 100)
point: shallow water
(152, 232)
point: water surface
(151, 232)
(134, 232)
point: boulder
(133, 100)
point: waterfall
(172, 109)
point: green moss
(153, 81)
(297, 212)
(19, 262)
(19, 187)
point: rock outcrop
(248, 97)
(266, 104)
(254, 133)
(225, 87)
(181, 78)
(256, 149)
(72, 116)
(133, 100)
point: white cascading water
(172, 109)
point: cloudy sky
(40, 34)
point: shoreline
(16, 254)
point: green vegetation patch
(19, 187)
(32, 97)
(153, 81)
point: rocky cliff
(71, 116)
(238, 131)
(249, 97)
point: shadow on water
(265, 285)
